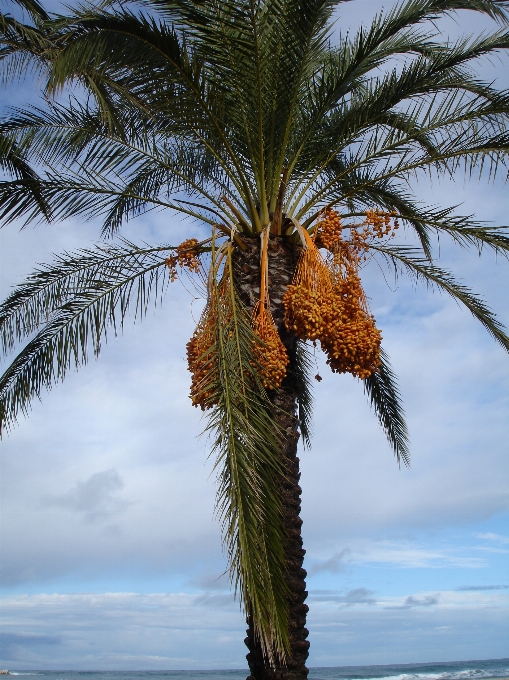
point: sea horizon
(470, 669)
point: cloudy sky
(111, 555)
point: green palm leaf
(421, 270)
(66, 312)
(384, 396)
(302, 375)
(245, 442)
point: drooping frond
(34, 8)
(463, 230)
(246, 442)
(13, 162)
(302, 376)
(409, 259)
(383, 393)
(65, 312)
(468, 232)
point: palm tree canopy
(239, 113)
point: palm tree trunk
(283, 258)
(295, 668)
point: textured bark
(283, 258)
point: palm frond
(463, 229)
(383, 393)
(66, 312)
(246, 444)
(34, 8)
(24, 48)
(92, 196)
(137, 168)
(155, 65)
(301, 374)
(13, 162)
(353, 66)
(422, 270)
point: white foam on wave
(474, 673)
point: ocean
(452, 670)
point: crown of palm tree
(240, 113)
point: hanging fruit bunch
(308, 299)
(197, 349)
(202, 347)
(201, 357)
(270, 357)
(328, 231)
(351, 340)
(326, 301)
(187, 256)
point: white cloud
(352, 597)
(426, 601)
(120, 630)
(170, 631)
(483, 587)
(392, 632)
(95, 498)
(334, 564)
(494, 537)
(405, 555)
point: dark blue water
(453, 670)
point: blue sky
(111, 555)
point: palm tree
(299, 153)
